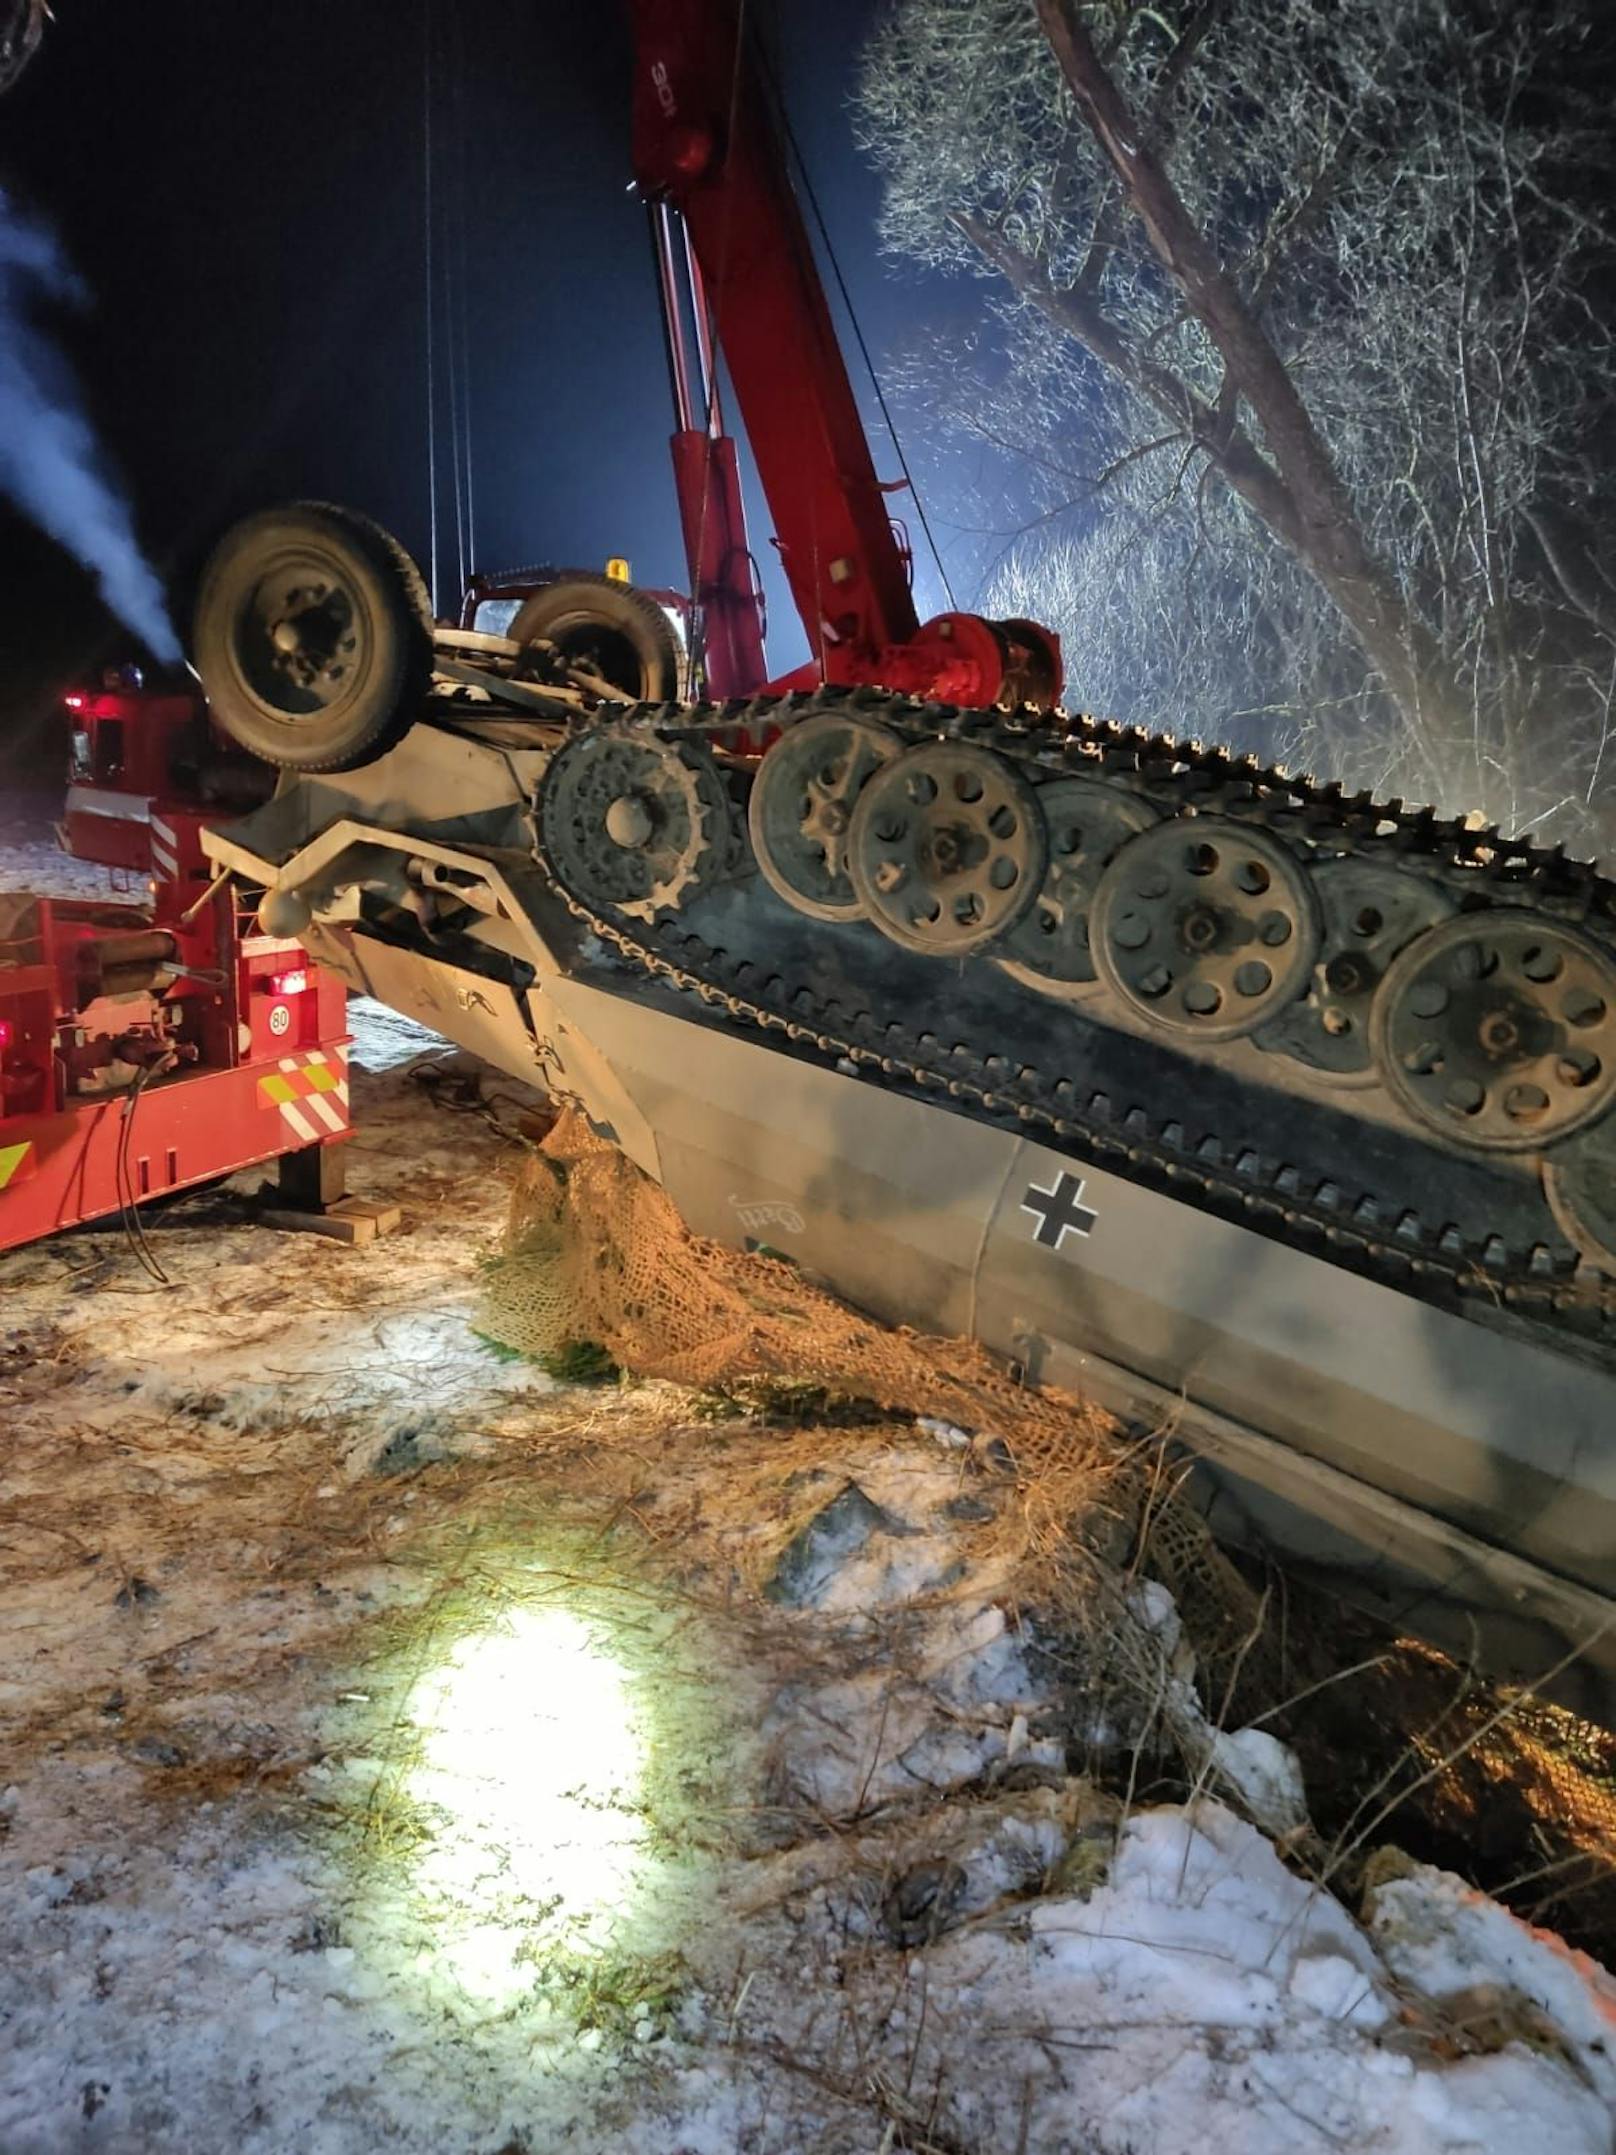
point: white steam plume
(51, 465)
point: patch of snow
(35, 862)
(1264, 1774)
(1470, 1955)
(385, 1039)
(1249, 1763)
(1205, 1998)
(383, 1375)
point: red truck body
(154, 1041)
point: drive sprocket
(947, 848)
(802, 803)
(631, 821)
(1498, 1029)
(1086, 821)
(1205, 928)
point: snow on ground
(31, 860)
(394, 1755)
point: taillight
(5, 1034)
(288, 983)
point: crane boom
(704, 142)
(707, 147)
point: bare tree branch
(22, 25)
(1319, 519)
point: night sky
(240, 187)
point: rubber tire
(384, 699)
(583, 600)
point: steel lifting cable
(446, 254)
(431, 307)
(462, 225)
(448, 326)
(698, 636)
(771, 77)
(451, 297)
(453, 385)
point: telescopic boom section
(705, 144)
(707, 476)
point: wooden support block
(385, 1219)
(355, 1220)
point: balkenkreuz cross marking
(1058, 1211)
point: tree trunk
(1295, 487)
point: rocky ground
(400, 1749)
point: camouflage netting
(595, 1251)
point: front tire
(313, 637)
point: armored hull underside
(1427, 1444)
(1458, 1476)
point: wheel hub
(1202, 928)
(308, 639)
(629, 821)
(302, 640)
(1500, 1034)
(947, 847)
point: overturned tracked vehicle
(1241, 1103)
(1201, 1089)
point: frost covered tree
(1302, 334)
